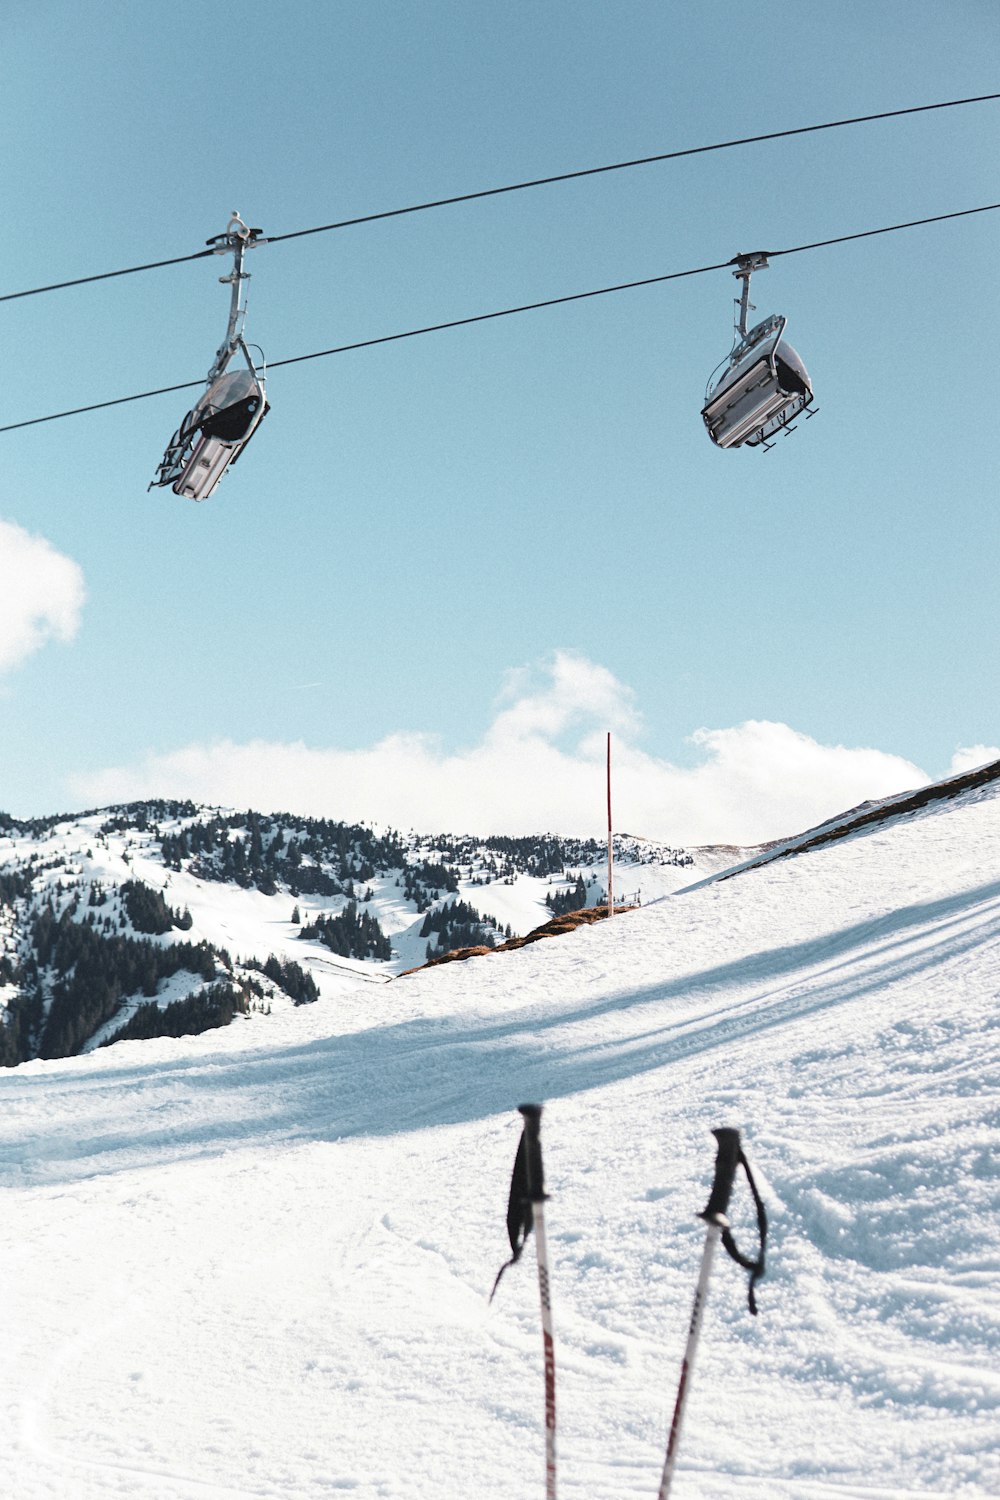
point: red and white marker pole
(611, 869)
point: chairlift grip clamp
(237, 239)
(754, 260)
(236, 234)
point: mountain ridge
(168, 917)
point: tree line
(85, 974)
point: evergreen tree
(571, 899)
(351, 934)
(458, 925)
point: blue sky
(427, 534)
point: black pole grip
(532, 1114)
(727, 1159)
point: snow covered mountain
(256, 1262)
(163, 918)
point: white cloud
(41, 595)
(539, 767)
(773, 780)
(568, 692)
(968, 757)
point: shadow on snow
(442, 1071)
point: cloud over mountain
(539, 766)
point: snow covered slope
(255, 1262)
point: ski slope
(255, 1263)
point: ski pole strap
(527, 1186)
(728, 1158)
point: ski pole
(729, 1156)
(536, 1193)
(525, 1210)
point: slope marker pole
(611, 870)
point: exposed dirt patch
(568, 922)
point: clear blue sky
(414, 521)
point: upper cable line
(621, 166)
(517, 187)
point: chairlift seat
(762, 388)
(214, 434)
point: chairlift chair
(763, 385)
(213, 435)
(227, 414)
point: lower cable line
(507, 312)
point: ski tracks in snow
(399, 1076)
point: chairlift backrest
(229, 407)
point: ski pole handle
(527, 1186)
(532, 1114)
(727, 1159)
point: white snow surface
(256, 1262)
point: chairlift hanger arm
(236, 240)
(755, 260)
